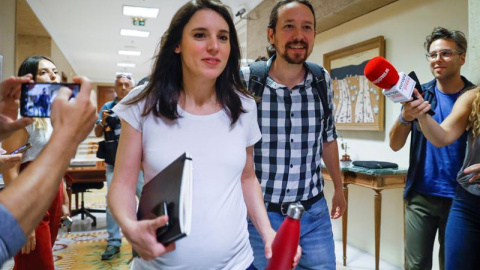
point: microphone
(397, 86)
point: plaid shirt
(288, 157)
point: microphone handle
(419, 88)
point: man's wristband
(403, 121)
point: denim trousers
(462, 237)
(316, 239)
(114, 235)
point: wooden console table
(376, 179)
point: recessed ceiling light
(134, 33)
(142, 12)
(125, 65)
(133, 53)
(124, 73)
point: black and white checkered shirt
(288, 157)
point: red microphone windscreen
(381, 72)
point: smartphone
(67, 222)
(21, 149)
(36, 98)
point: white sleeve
(131, 113)
(253, 133)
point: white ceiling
(88, 32)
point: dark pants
(424, 216)
(462, 238)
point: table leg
(69, 194)
(345, 225)
(378, 220)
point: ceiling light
(133, 53)
(124, 73)
(134, 33)
(125, 65)
(142, 12)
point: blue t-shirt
(442, 164)
(11, 235)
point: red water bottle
(284, 246)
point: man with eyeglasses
(108, 125)
(431, 178)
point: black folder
(170, 193)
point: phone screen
(37, 98)
(21, 149)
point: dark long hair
(166, 79)
(30, 65)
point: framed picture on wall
(358, 104)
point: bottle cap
(295, 210)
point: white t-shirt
(219, 236)
(38, 138)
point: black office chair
(81, 188)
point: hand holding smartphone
(36, 98)
(21, 149)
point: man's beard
(297, 58)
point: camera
(36, 98)
(112, 123)
(112, 119)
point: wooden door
(104, 94)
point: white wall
(404, 24)
(7, 37)
(61, 62)
(473, 64)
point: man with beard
(295, 136)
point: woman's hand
(66, 202)
(474, 170)
(297, 257)
(30, 245)
(9, 161)
(142, 235)
(65, 211)
(268, 240)
(414, 109)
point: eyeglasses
(444, 55)
(124, 76)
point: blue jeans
(462, 236)
(114, 235)
(316, 239)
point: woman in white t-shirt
(37, 252)
(194, 102)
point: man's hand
(339, 204)
(74, 118)
(9, 100)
